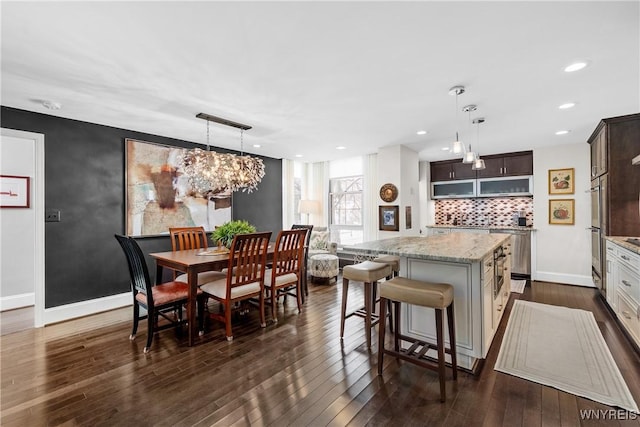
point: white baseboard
(17, 301)
(565, 279)
(86, 308)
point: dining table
(192, 262)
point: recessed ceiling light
(445, 148)
(341, 148)
(421, 132)
(52, 105)
(562, 132)
(257, 145)
(575, 67)
(298, 155)
(567, 105)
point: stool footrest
(363, 314)
(416, 353)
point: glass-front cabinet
(508, 186)
(453, 189)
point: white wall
(17, 227)
(398, 165)
(562, 252)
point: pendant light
(469, 156)
(478, 164)
(457, 147)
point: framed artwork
(158, 196)
(407, 214)
(14, 191)
(388, 218)
(562, 211)
(561, 181)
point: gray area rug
(562, 348)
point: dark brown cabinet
(510, 164)
(449, 170)
(614, 143)
(598, 143)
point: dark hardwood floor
(295, 372)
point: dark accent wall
(84, 179)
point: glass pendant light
(478, 164)
(469, 156)
(457, 147)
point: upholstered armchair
(319, 242)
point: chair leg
(136, 318)
(274, 300)
(381, 333)
(201, 302)
(367, 310)
(227, 321)
(452, 340)
(151, 322)
(343, 312)
(299, 296)
(389, 307)
(440, 341)
(263, 322)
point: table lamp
(309, 207)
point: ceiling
(312, 76)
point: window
(346, 198)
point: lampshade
(469, 156)
(309, 207)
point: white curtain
(370, 202)
(317, 188)
(288, 202)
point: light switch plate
(52, 215)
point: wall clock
(388, 193)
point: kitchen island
(465, 261)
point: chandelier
(212, 172)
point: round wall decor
(388, 192)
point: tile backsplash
(492, 211)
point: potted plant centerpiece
(225, 233)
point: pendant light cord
(242, 142)
(208, 149)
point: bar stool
(369, 273)
(392, 261)
(434, 295)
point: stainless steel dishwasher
(520, 251)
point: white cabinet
(489, 329)
(623, 287)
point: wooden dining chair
(183, 238)
(285, 276)
(157, 300)
(305, 265)
(244, 277)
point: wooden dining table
(192, 262)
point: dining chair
(244, 277)
(157, 300)
(305, 265)
(285, 276)
(183, 238)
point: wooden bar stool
(369, 273)
(392, 261)
(434, 295)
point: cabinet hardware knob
(624, 282)
(626, 258)
(626, 314)
(500, 307)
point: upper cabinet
(598, 143)
(498, 165)
(510, 164)
(449, 170)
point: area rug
(562, 348)
(518, 285)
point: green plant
(224, 234)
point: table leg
(192, 279)
(158, 274)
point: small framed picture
(561, 181)
(389, 218)
(14, 191)
(562, 211)
(407, 219)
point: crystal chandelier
(212, 172)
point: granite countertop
(484, 227)
(456, 247)
(622, 241)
